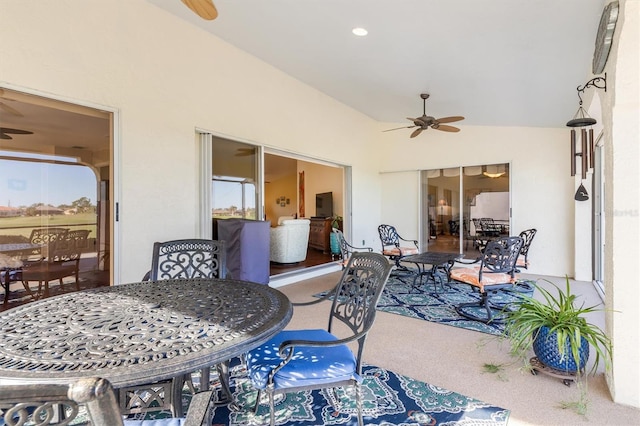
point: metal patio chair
(297, 360)
(393, 248)
(495, 272)
(64, 404)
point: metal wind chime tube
(573, 152)
(585, 154)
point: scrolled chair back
(47, 235)
(358, 293)
(501, 255)
(188, 258)
(527, 237)
(388, 235)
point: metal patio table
(132, 334)
(438, 260)
(18, 251)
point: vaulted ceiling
(495, 62)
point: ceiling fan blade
(449, 119)
(15, 131)
(445, 128)
(416, 132)
(10, 110)
(398, 128)
(203, 8)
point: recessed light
(360, 31)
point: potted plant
(557, 331)
(336, 222)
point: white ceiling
(496, 62)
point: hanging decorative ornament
(581, 194)
(582, 120)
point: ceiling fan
(203, 8)
(5, 131)
(426, 121)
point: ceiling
(495, 62)
(59, 128)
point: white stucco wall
(622, 199)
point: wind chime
(582, 120)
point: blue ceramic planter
(545, 347)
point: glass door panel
(234, 178)
(453, 202)
(440, 209)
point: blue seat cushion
(309, 366)
(158, 422)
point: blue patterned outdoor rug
(388, 399)
(437, 304)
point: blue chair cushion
(309, 366)
(158, 422)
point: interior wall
(320, 178)
(285, 187)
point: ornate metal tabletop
(140, 332)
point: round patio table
(138, 333)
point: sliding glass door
(234, 180)
(463, 206)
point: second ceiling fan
(426, 121)
(203, 8)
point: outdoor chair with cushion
(495, 272)
(346, 249)
(68, 403)
(63, 260)
(527, 237)
(296, 360)
(392, 245)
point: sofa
(289, 240)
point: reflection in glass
(234, 168)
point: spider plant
(562, 316)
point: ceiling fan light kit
(426, 121)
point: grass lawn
(22, 226)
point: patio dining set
(114, 353)
(126, 350)
(501, 258)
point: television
(324, 204)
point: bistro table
(20, 249)
(13, 252)
(442, 261)
(133, 334)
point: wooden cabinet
(319, 234)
